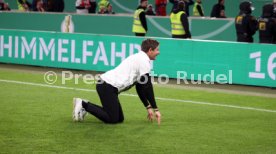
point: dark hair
(149, 44)
(141, 1)
(245, 7)
(267, 10)
(181, 6)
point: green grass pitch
(38, 119)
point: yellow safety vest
(195, 11)
(177, 28)
(103, 4)
(20, 7)
(137, 25)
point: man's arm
(214, 12)
(185, 24)
(274, 30)
(145, 92)
(199, 10)
(253, 25)
(143, 20)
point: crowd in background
(90, 6)
(105, 7)
(246, 24)
(41, 5)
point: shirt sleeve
(274, 29)
(142, 17)
(253, 25)
(144, 68)
(185, 24)
(200, 10)
(145, 91)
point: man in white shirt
(134, 70)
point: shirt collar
(145, 55)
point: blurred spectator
(222, 14)
(187, 4)
(160, 7)
(82, 6)
(38, 5)
(267, 25)
(179, 22)
(198, 9)
(218, 10)
(4, 6)
(103, 6)
(58, 5)
(246, 24)
(93, 7)
(46, 4)
(23, 5)
(150, 11)
(34, 5)
(49, 5)
(139, 27)
(109, 9)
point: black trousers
(140, 34)
(111, 110)
(242, 38)
(180, 36)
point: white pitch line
(133, 95)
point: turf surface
(38, 119)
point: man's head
(198, 1)
(181, 6)
(144, 3)
(246, 7)
(268, 10)
(221, 2)
(151, 48)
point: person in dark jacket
(58, 6)
(267, 25)
(179, 22)
(246, 24)
(93, 7)
(218, 10)
(187, 4)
